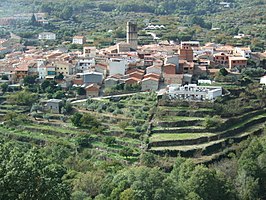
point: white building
(201, 81)
(194, 92)
(263, 80)
(42, 71)
(47, 36)
(85, 64)
(117, 66)
(79, 40)
(89, 52)
(243, 51)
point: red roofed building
(92, 90)
(169, 69)
(132, 80)
(149, 84)
(137, 75)
(153, 75)
(134, 70)
(21, 71)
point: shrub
(213, 122)
(109, 140)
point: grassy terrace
(174, 134)
(178, 118)
(180, 136)
(204, 145)
(177, 128)
(179, 108)
(33, 136)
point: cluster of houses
(152, 66)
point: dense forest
(29, 172)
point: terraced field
(125, 122)
(138, 122)
(180, 130)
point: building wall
(174, 59)
(47, 36)
(169, 69)
(89, 52)
(78, 41)
(54, 107)
(173, 79)
(154, 70)
(110, 82)
(149, 85)
(237, 64)
(214, 94)
(222, 59)
(64, 68)
(92, 78)
(93, 93)
(117, 67)
(194, 92)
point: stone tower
(132, 35)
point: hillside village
(132, 100)
(124, 67)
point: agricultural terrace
(197, 129)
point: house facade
(149, 84)
(237, 63)
(92, 90)
(154, 69)
(117, 66)
(54, 105)
(47, 36)
(79, 40)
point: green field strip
(34, 135)
(178, 118)
(177, 128)
(173, 109)
(204, 145)
(177, 136)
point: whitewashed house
(117, 66)
(79, 40)
(194, 92)
(47, 36)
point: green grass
(180, 136)
(171, 109)
(33, 135)
(176, 128)
(53, 128)
(179, 118)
